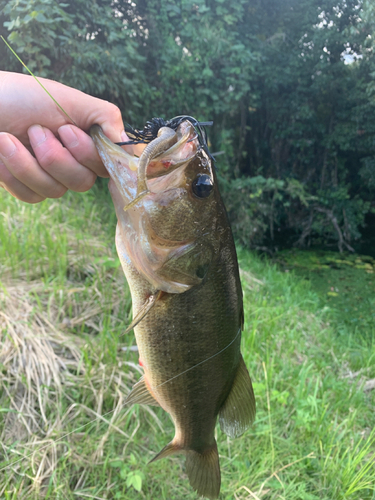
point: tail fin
(203, 470)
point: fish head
(181, 204)
(171, 234)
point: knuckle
(85, 185)
(115, 111)
(57, 192)
(48, 157)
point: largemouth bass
(177, 251)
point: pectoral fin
(149, 304)
(141, 395)
(238, 410)
(188, 264)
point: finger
(105, 114)
(58, 162)
(16, 188)
(82, 148)
(24, 167)
(93, 110)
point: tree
(288, 84)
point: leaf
(116, 463)
(137, 482)
(9, 24)
(134, 480)
(124, 473)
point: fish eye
(202, 186)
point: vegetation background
(290, 87)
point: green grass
(312, 438)
(345, 283)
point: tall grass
(312, 438)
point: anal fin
(238, 410)
(170, 449)
(140, 394)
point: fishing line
(201, 362)
(40, 83)
(133, 402)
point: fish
(177, 251)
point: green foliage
(77, 44)
(312, 120)
(289, 85)
(133, 478)
(258, 204)
(367, 171)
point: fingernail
(68, 136)
(36, 135)
(7, 146)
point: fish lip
(118, 161)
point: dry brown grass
(41, 360)
(36, 360)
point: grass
(346, 283)
(65, 373)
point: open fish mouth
(169, 145)
(152, 127)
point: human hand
(30, 122)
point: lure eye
(202, 186)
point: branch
(333, 219)
(306, 232)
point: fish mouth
(170, 151)
(183, 150)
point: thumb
(108, 116)
(88, 111)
